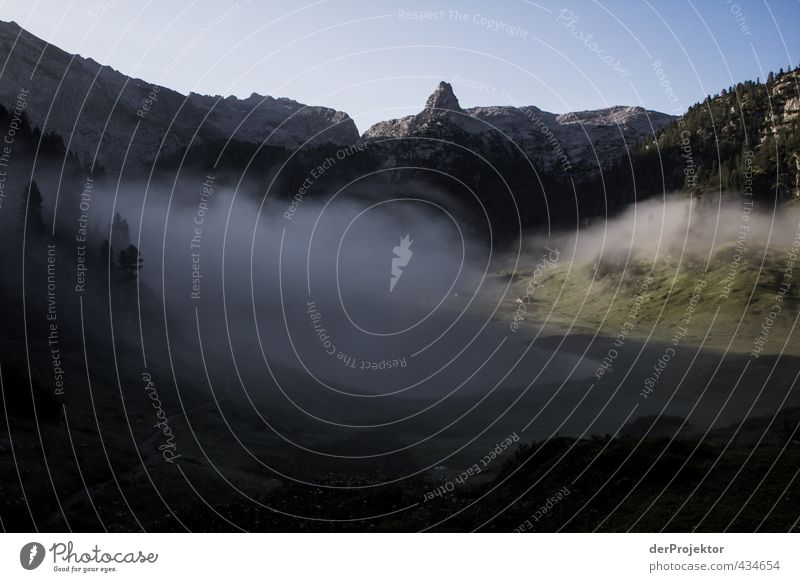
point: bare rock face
(443, 99)
(279, 121)
(585, 139)
(796, 159)
(441, 118)
(99, 111)
(124, 122)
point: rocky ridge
(583, 139)
(97, 109)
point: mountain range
(558, 142)
(97, 109)
(99, 112)
(508, 167)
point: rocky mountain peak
(443, 99)
(103, 119)
(578, 139)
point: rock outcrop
(585, 139)
(98, 110)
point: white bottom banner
(389, 557)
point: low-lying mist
(332, 304)
(674, 226)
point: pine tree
(130, 263)
(120, 232)
(105, 252)
(32, 209)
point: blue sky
(376, 59)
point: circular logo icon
(31, 555)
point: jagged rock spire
(443, 98)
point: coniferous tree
(32, 210)
(105, 252)
(130, 263)
(120, 232)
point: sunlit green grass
(599, 295)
